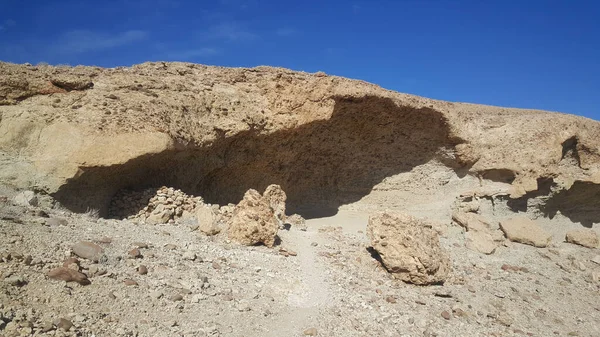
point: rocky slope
(84, 133)
(493, 211)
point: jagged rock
(584, 237)
(207, 220)
(88, 250)
(276, 198)
(254, 221)
(526, 231)
(409, 248)
(26, 198)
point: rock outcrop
(255, 219)
(82, 134)
(409, 248)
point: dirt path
(310, 292)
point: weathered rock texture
(409, 248)
(583, 237)
(84, 133)
(255, 219)
(526, 231)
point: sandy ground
(329, 286)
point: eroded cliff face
(82, 134)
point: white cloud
(81, 41)
(192, 53)
(230, 31)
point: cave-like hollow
(321, 165)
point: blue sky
(529, 53)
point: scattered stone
(390, 299)
(16, 281)
(141, 245)
(191, 256)
(42, 214)
(508, 267)
(63, 324)
(68, 275)
(176, 297)
(142, 270)
(104, 239)
(314, 244)
(409, 248)
(71, 263)
(170, 246)
(135, 253)
(310, 332)
(254, 221)
(53, 222)
(156, 294)
(130, 282)
(88, 250)
(47, 326)
(446, 315)
(586, 237)
(526, 231)
(26, 199)
(216, 265)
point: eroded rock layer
(83, 134)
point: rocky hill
(171, 156)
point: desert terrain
(177, 199)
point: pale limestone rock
(584, 237)
(26, 198)
(526, 231)
(207, 220)
(479, 236)
(409, 248)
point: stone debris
(63, 324)
(254, 220)
(526, 231)
(409, 248)
(26, 199)
(153, 206)
(586, 237)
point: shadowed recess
(321, 165)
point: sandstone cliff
(82, 134)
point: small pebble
(130, 282)
(310, 332)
